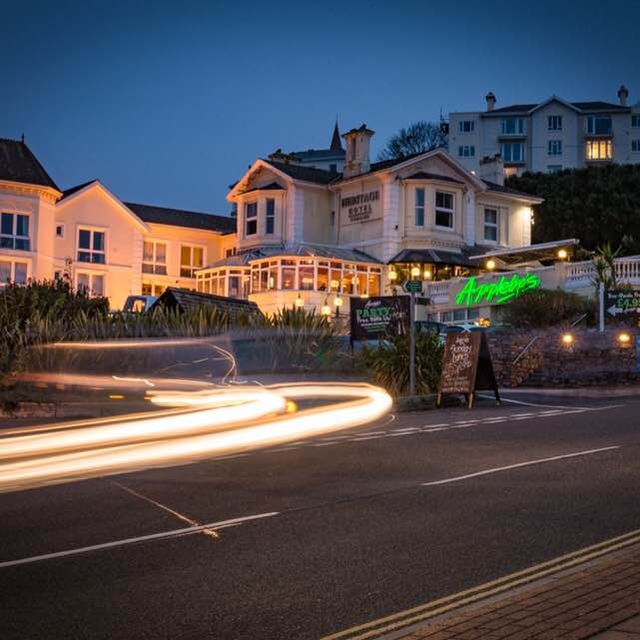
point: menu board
(466, 366)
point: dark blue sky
(168, 102)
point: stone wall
(593, 358)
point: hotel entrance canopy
(434, 256)
(545, 252)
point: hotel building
(547, 136)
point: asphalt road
(353, 534)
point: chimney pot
(623, 95)
(491, 101)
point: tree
(596, 205)
(417, 138)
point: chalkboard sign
(373, 318)
(466, 366)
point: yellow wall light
(624, 339)
(491, 264)
(415, 272)
(562, 254)
(568, 339)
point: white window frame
(252, 218)
(12, 270)
(467, 151)
(504, 145)
(60, 225)
(554, 123)
(191, 267)
(554, 147)
(520, 127)
(590, 124)
(451, 212)
(636, 144)
(420, 208)
(91, 251)
(268, 217)
(91, 275)
(599, 144)
(462, 128)
(154, 259)
(635, 120)
(14, 230)
(491, 225)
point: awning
(543, 252)
(434, 256)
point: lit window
(191, 259)
(91, 246)
(554, 123)
(251, 218)
(467, 151)
(599, 125)
(14, 231)
(635, 146)
(154, 257)
(554, 168)
(599, 150)
(635, 120)
(554, 147)
(13, 272)
(419, 207)
(92, 283)
(512, 151)
(271, 215)
(444, 209)
(491, 225)
(466, 126)
(512, 127)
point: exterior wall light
(624, 339)
(338, 301)
(567, 339)
(427, 275)
(491, 264)
(326, 310)
(299, 302)
(562, 254)
(393, 275)
(415, 272)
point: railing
(627, 271)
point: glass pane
(97, 258)
(147, 268)
(270, 225)
(362, 283)
(84, 239)
(98, 241)
(84, 256)
(161, 269)
(491, 233)
(323, 279)
(22, 226)
(198, 256)
(147, 252)
(348, 282)
(22, 244)
(255, 281)
(21, 273)
(83, 280)
(288, 277)
(273, 277)
(6, 226)
(264, 280)
(234, 286)
(306, 278)
(336, 276)
(271, 206)
(460, 315)
(491, 216)
(420, 197)
(374, 284)
(5, 272)
(185, 256)
(98, 285)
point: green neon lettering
(507, 288)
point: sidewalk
(599, 601)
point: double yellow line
(425, 612)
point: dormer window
(251, 218)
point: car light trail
(210, 423)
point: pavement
(323, 537)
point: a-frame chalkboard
(467, 367)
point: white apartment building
(548, 136)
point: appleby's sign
(373, 318)
(505, 289)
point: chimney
(623, 95)
(492, 169)
(491, 101)
(357, 158)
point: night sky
(168, 102)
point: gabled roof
(69, 192)
(584, 107)
(306, 174)
(18, 164)
(499, 188)
(424, 175)
(272, 186)
(181, 218)
(185, 299)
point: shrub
(388, 363)
(548, 307)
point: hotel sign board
(375, 318)
(623, 303)
(361, 207)
(466, 366)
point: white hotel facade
(304, 235)
(548, 136)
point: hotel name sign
(361, 207)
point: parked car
(138, 304)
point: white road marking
(366, 438)
(407, 430)
(431, 426)
(223, 524)
(518, 465)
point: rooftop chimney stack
(623, 95)
(492, 169)
(491, 101)
(357, 158)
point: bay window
(14, 231)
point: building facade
(548, 136)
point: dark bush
(549, 307)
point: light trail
(210, 423)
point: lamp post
(338, 303)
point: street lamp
(338, 303)
(299, 302)
(326, 310)
(567, 339)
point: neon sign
(507, 288)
